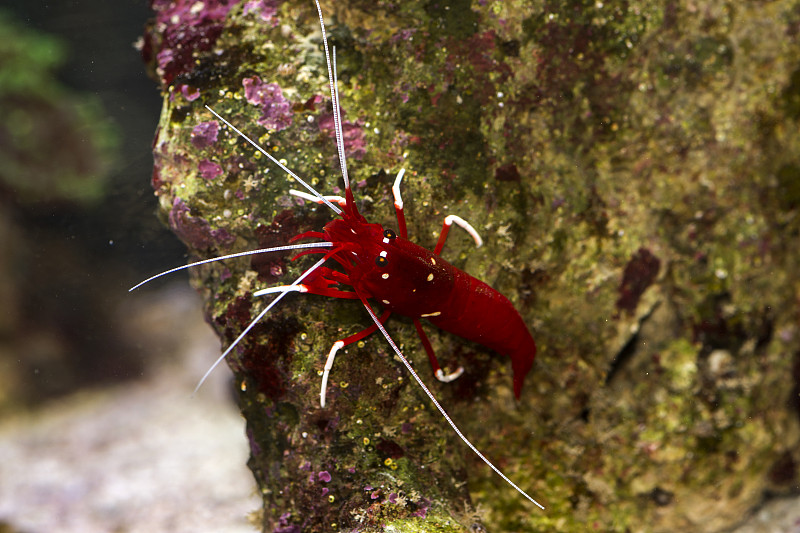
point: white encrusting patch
(426, 315)
(385, 275)
(430, 276)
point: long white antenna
(256, 320)
(281, 165)
(323, 244)
(334, 84)
(440, 408)
(337, 113)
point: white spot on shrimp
(385, 275)
(430, 276)
(433, 260)
(385, 301)
(435, 313)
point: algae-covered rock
(633, 170)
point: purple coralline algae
(196, 231)
(422, 510)
(267, 9)
(183, 27)
(355, 144)
(276, 111)
(205, 134)
(209, 170)
(190, 93)
(284, 526)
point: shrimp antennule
(231, 256)
(258, 318)
(283, 167)
(333, 81)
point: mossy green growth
(630, 169)
(56, 145)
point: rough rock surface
(633, 170)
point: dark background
(72, 262)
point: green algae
(56, 145)
(573, 136)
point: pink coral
(276, 111)
(195, 230)
(209, 170)
(205, 134)
(267, 9)
(355, 143)
(182, 27)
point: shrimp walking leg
(338, 345)
(437, 369)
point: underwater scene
(608, 340)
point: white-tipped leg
(452, 376)
(338, 345)
(449, 220)
(398, 200)
(281, 288)
(311, 198)
(398, 204)
(466, 226)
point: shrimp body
(481, 314)
(415, 282)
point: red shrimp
(412, 281)
(378, 264)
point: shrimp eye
(381, 261)
(389, 234)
